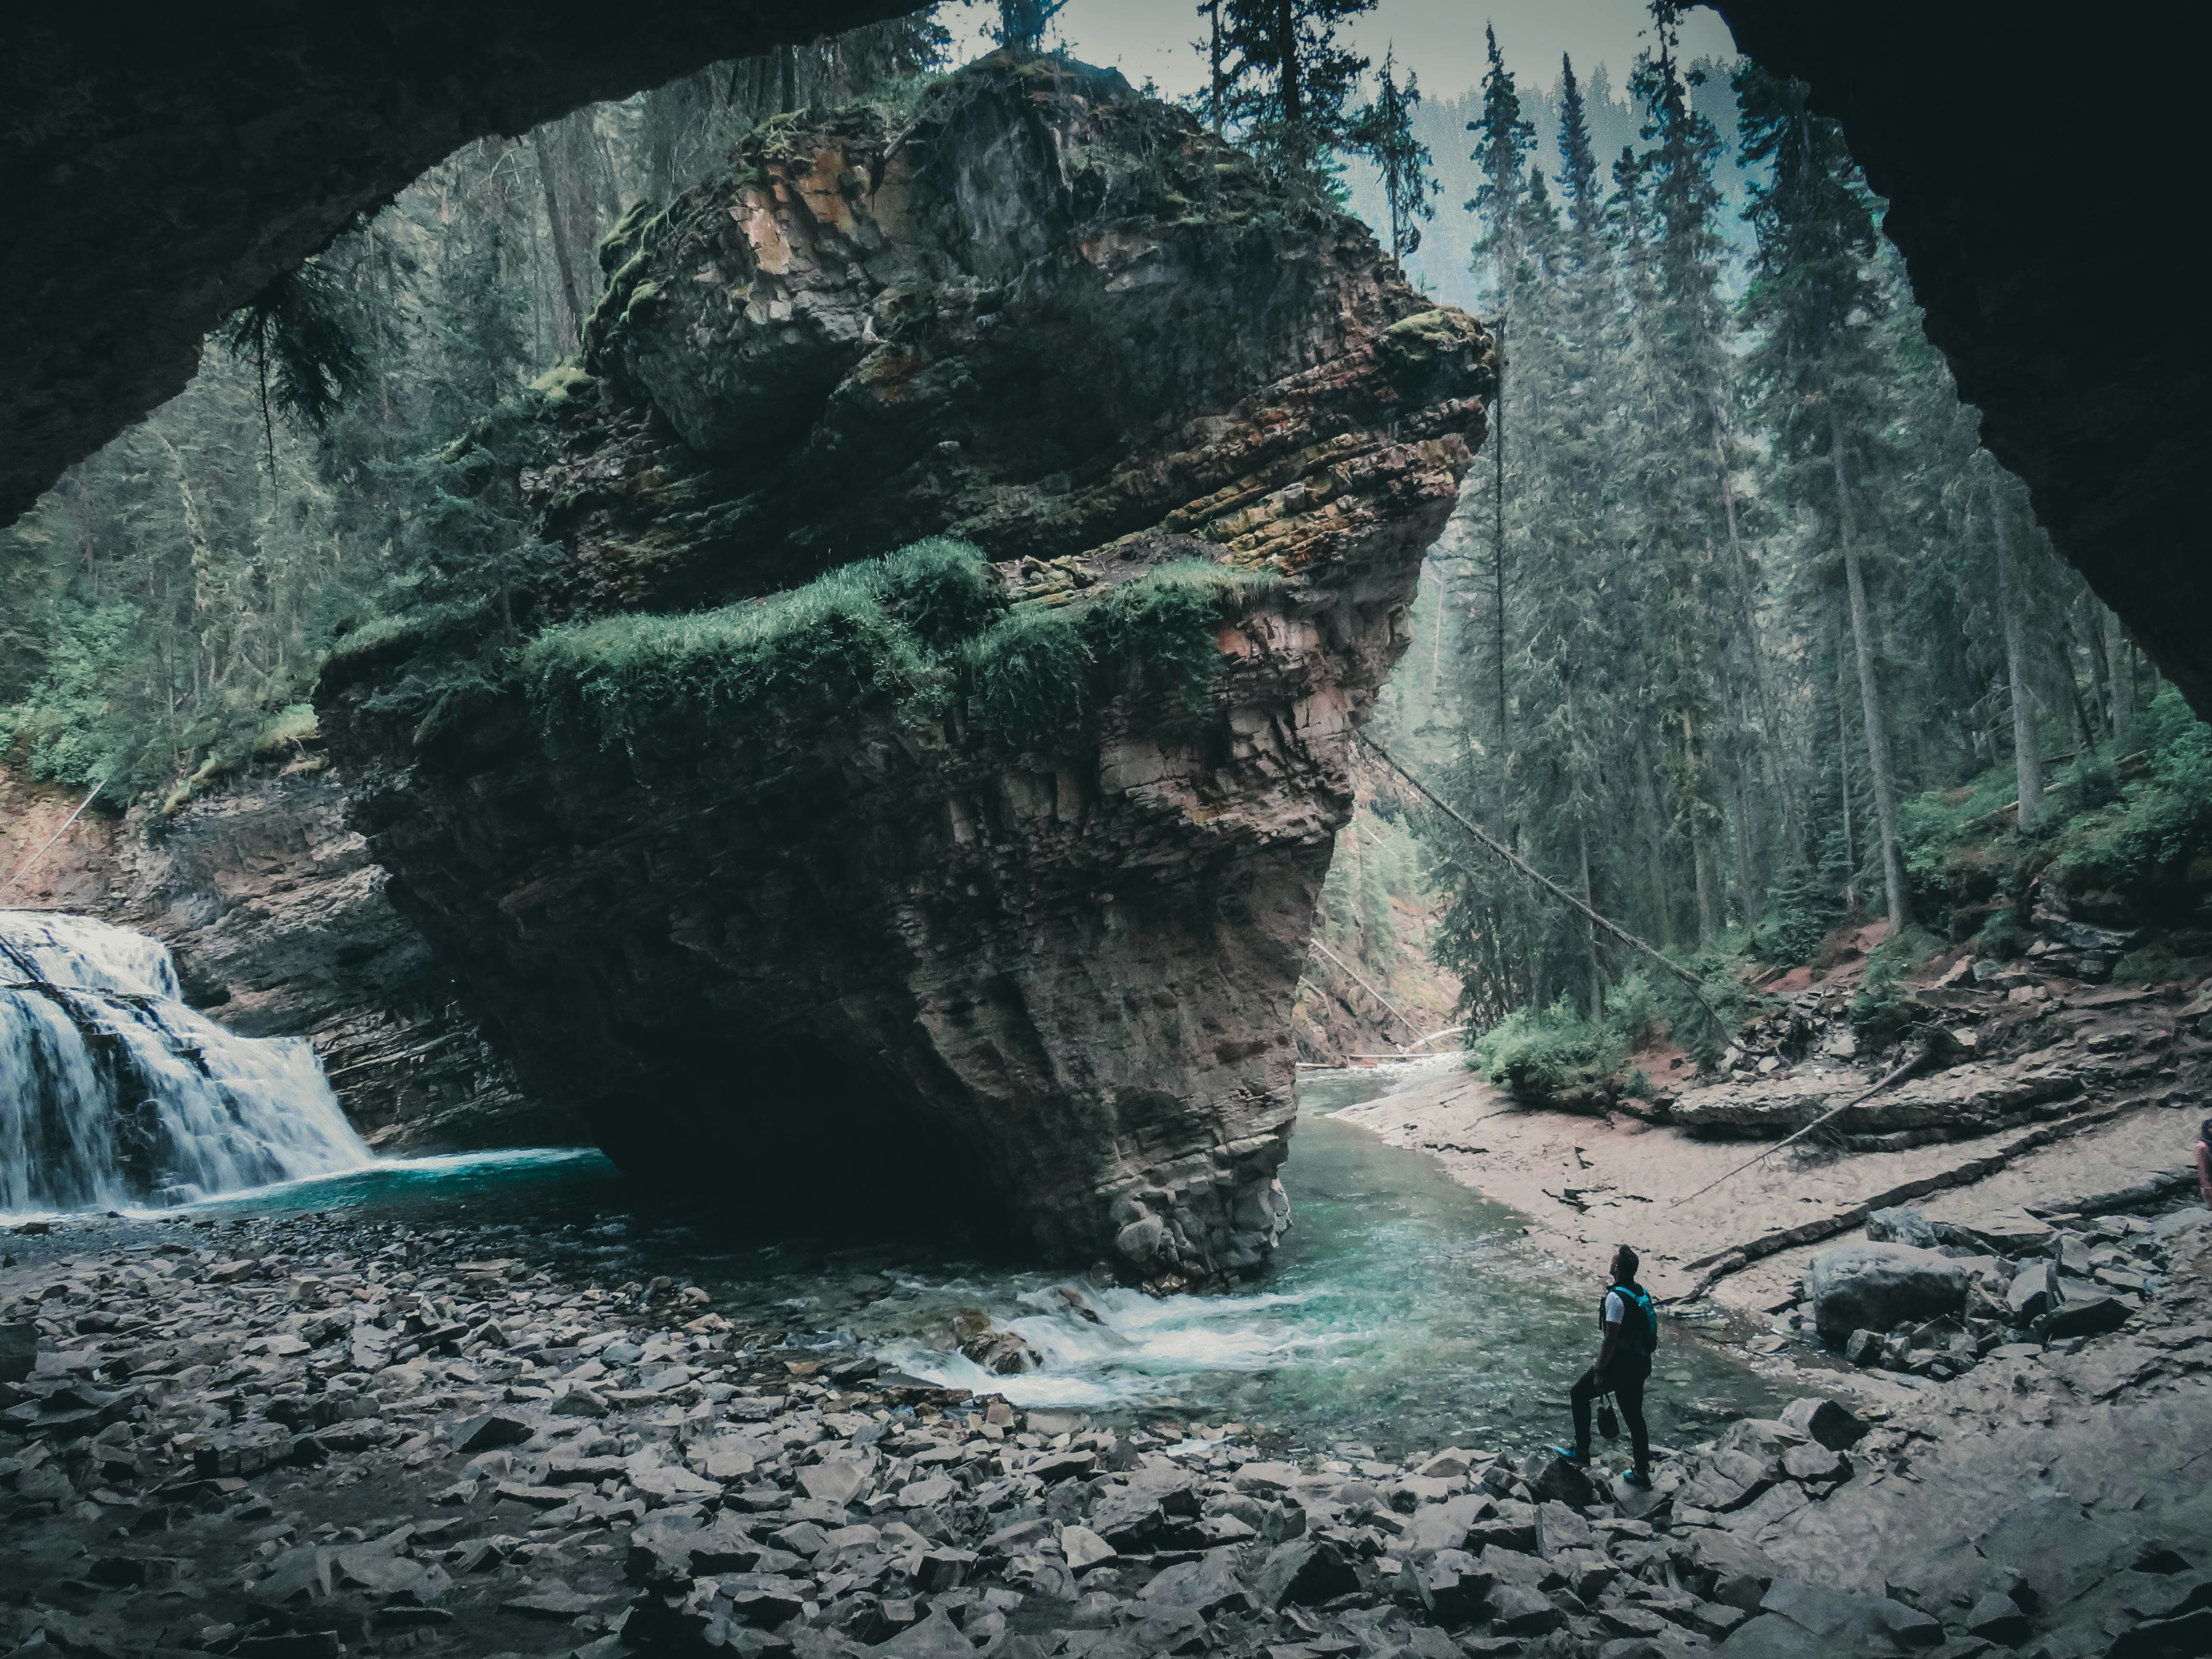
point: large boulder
(1876, 1287)
(1003, 856)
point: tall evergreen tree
(1818, 363)
(1022, 23)
(1383, 129)
(1290, 77)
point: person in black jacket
(1629, 1325)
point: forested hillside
(1739, 634)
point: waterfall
(113, 1092)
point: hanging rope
(1695, 985)
(1926, 1053)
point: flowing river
(1403, 1310)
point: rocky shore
(305, 1436)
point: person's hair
(2204, 1132)
(1626, 1256)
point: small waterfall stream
(113, 1092)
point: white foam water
(1138, 1347)
(115, 1094)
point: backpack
(1638, 1335)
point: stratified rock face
(828, 958)
(277, 917)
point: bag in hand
(1607, 1424)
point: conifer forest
(1103, 829)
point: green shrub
(1801, 909)
(2163, 821)
(1538, 1053)
(943, 591)
(2003, 937)
(293, 724)
(1164, 623)
(890, 626)
(828, 646)
(1879, 1008)
(1031, 673)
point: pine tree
(302, 339)
(1383, 129)
(1022, 23)
(1503, 142)
(1289, 78)
(1816, 302)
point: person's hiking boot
(1637, 1478)
(1578, 1458)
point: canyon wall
(865, 938)
(277, 920)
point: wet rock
(1515, 1611)
(1559, 1479)
(1560, 1529)
(1814, 1464)
(19, 1343)
(2011, 1232)
(2033, 1293)
(1876, 1287)
(1513, 1527)
(1085, 1548)
(1997, 1618)
(1901, 1226)
(1856, 1620)
(1829, 1423)
(1305, 1572)
(1208, 1585)
(489, 1432)
(1730, 1569)
(2091, 1315)
(1729, 1480)
(1458, 1588)
(834, 1480)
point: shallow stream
(1402, 1311)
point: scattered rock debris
(359, 1440)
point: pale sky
(1441, 38)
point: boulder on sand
(1877, 1286)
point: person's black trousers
(1624, 1381)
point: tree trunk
(1775, 757)
(2026, 741)
(789, 101)
(1701, 851)
(2100, 668)
(1497, 532)
(1655, 852)
(1590, 928)
(1843, 789)
(1878, 769)
(563, 262)
(2122, 677)
(1286, 62)
(1213, 51)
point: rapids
(1401, 1310)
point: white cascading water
(114, 1093)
